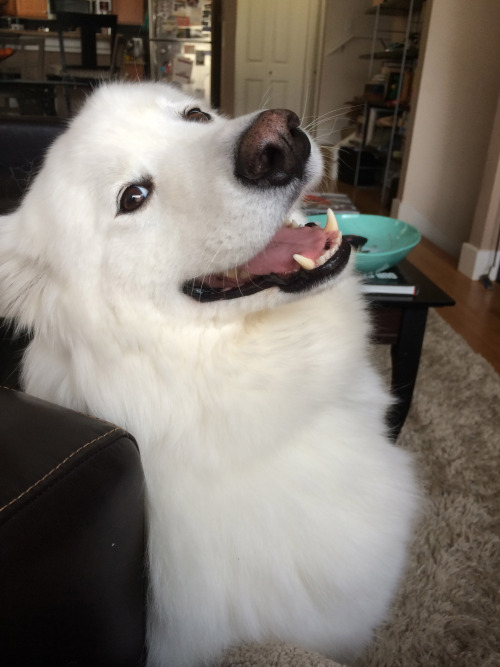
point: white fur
(277, 508)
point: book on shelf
(391, 281)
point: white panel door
(276, 54)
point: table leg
(405, 359)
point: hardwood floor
(476, 315)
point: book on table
(390, 281)
(316, 203)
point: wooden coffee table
(400, 322)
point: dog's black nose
(273, 150)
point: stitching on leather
(59, 465)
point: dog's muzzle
(273, 150)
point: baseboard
(475, 263)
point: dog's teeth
(231, 273)
(294, 224)
(305, 262)
(331, 221)
(326, 255)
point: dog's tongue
(277, 256)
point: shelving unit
(180, 39)
(385, 100)
(395, 7)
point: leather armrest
(24, 143)
(12, 347)
(71, 538)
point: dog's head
(150, 198)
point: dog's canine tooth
(305, 262)
(294, 224)
(331, 221)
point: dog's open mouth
(297, 258)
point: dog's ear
(22, 277)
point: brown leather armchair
(72, 575)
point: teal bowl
(389, 240)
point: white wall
(453, 119)
(478, 254)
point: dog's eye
(197, 115)
(133, 197)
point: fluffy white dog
(155, 260)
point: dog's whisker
(213, 256)
(328, 117)
(326, 135)
(266, 97)
(306, 99)
(341, 112)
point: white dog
(155, 261)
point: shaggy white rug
(447, 612)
